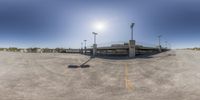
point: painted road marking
(128, 83)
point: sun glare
(99, 25)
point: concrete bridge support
(131, 48)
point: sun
(99, 26)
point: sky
(66, 23)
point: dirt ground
(172, 75)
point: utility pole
(94, 45)
(159, 39)
(81, 47)
(94, 37)
(132, 24)
(159, 44)
(85, 45)
(166, 44)
(132, 43)
(169, 45)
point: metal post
(132, 43)
(94, 45)
(159, 40)
(85, 46)
(169, 45)
(166, 44)
(131, 33)
(94, 37)
(81, 47)
(159, 45)
(132, 24)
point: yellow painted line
(128, 83)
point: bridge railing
(122, 43)
(108, 44)
(148, 45)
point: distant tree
(13, 49)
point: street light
(159, 39)
(85, 42)
(94, 45)
(81, 45)
(94, 37)
(166, 44)
(132, 24)
(85, 45)
(159, 46)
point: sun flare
(99, 26)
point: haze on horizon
(66, 23)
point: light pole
(94, 37)
(94, 45)
(166, 44)
(132, 43)
(81, 47)
(159, 46)
(85, 45)
(170, 46)
(132, 24)
(159, 39)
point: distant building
(47, 50)
(33, 50)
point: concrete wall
(131, 48)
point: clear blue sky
(66, 23)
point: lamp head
(94, 33)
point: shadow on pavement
(83, 65)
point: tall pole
(94, 37)
(94, 45)
(85, 45)
(159, 45)
(85, 42)
(81, 47)
(159, 39)
(132, 24)
(166, 44)
(132, 43)
(169, 45)
(131, 33)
